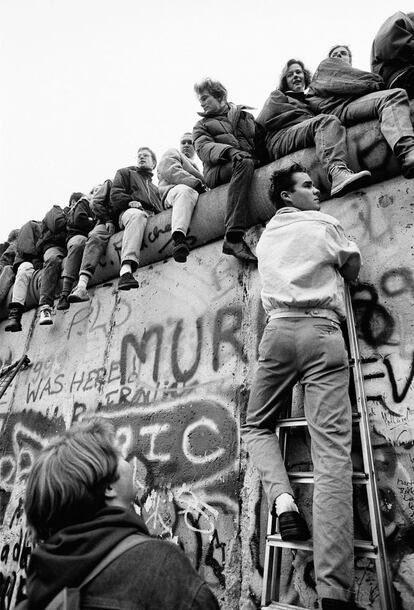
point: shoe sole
(75, 299)
(241, 258)
(352, 185)
(128, 286)
(46, 323)
(62, 308)
(13, 330)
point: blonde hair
(68, 480)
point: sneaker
(344, 180)
(240, 250)
(127, 281)
(78, 295)
(292, 526)
(63, 302)
(180, 252)
(45, 316)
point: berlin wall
(171, 365)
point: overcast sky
(85, 82)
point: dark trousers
(52, 259)
(239, 173)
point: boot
(404, 151)
(344, 180)
(14, 319)
(180, 249)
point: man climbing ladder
(303, 257)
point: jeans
(71, 266)
(182, 199)
(6, 281)
(392, 109)
(323, 131)
(240, 174)
(21, 283)
(95, 248)
(52, 259)
(310, 350)
(133, 221)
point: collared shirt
(299, 257)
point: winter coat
(281, 111)
(216, 134)
(175, 168)
(393, 47)
(54, 230)
(336, 83)
(101, 203)
(80, 220)
(133, 184)
(8, 255)
(26, 245)
(153, 575)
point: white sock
(83, 280)
(125, 268)
(284, 503)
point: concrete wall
(171, 364)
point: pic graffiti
(173, 377)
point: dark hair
(283, 82)
(283, 181)
(151, 152)
(69, 478)
(345, 46)
(74, 198)
(214, 87)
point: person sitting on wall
(392, 54)
(80, 222)
(79, 504)
(95, 245)
(303, 256)
(355, 96)
(290, 125)
(180, 183)
(52, 245)
(225, 140)
(134, 198)
(26, 261)
(6, 264)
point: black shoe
(127, 281)
(180, 252)
(14, 319)
(240, 250)
(63, 302)
(329, 603)
(407, 165)
(292, 526)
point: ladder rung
(362, 547)
(281, 606)
(293, 422)
(360, 478)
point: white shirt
(299, 254)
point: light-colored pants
(21, 283)
(182, 199)
(392, 109)
(312, 351)
(133, 221)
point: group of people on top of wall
(302, 111)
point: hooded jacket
(26, 245)
(53, 229)
(336, 83)
(134, 184)
(154, 575)
(216, 134)
(393, 47)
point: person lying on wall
(227, 140)
(81, 509)
(290, 125)
(356, 96)
(180, 183)
(303, 257)
(134, 198)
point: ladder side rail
(377, 531)
(12, 369)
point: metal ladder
(374, 549)
(8, 373)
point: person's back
(79, 504)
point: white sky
(86, 82)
